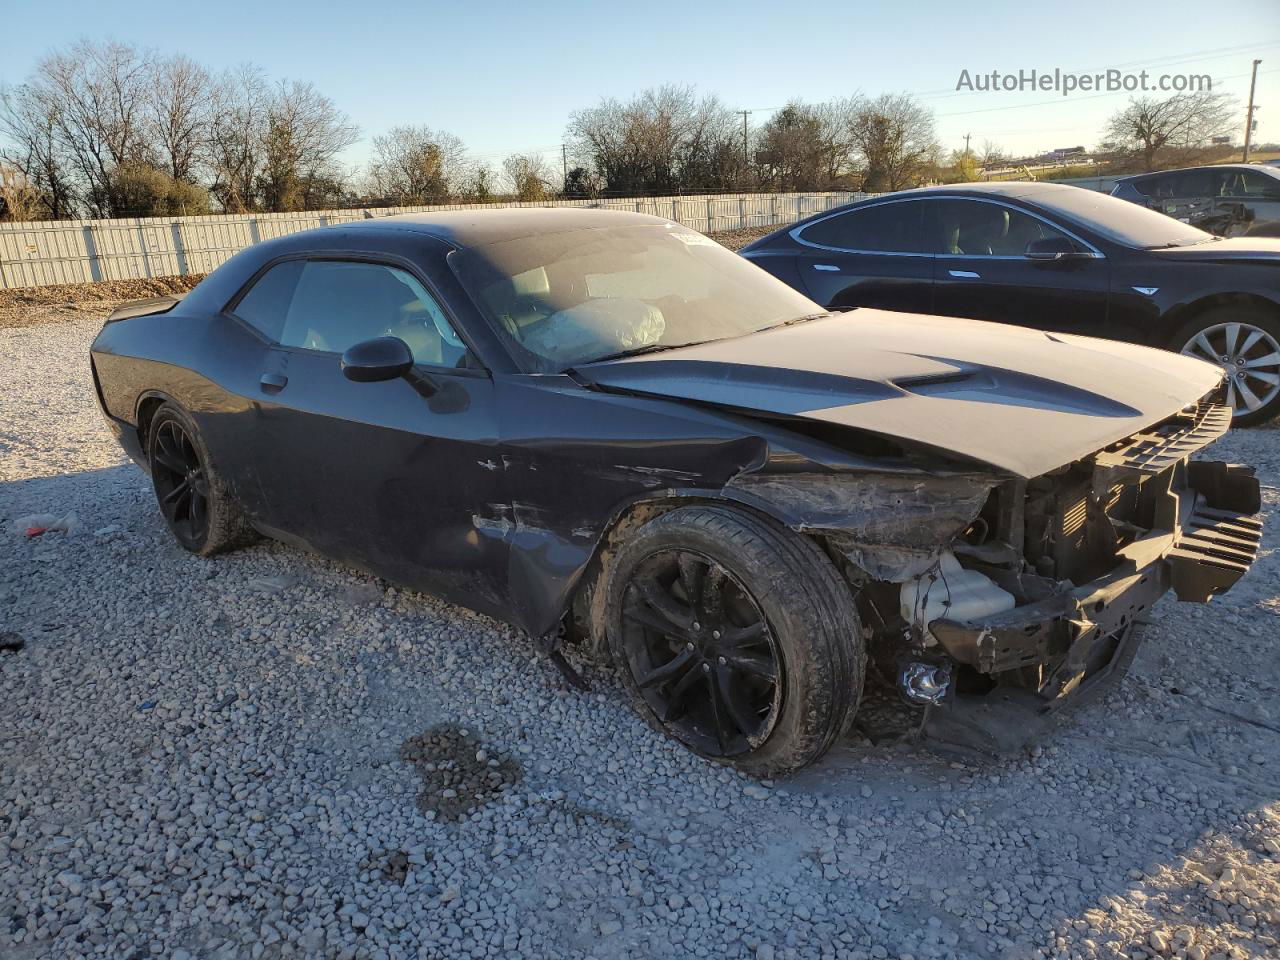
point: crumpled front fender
(892, 526)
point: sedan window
(340, 303)
(1251, 185)
(895, 227)
(1193, 183)
(973, 228)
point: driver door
(387, 476)
(982, 271)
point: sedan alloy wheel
(1250, 357)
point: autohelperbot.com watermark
(1066, 82)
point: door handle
(828, 267)
(273, 382)
(965, 274)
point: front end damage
(996, 602)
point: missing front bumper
(1084, 639)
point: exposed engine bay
(1039, 596)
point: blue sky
(504, 76)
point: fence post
(180, 248)
(142, 242)
(711, 217)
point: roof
(1203, 166)
(474, 228)
(1030, 189)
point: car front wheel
(736, 637)
(1245, 343)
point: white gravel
(207, 759)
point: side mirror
(1051, 249)
(382, 358)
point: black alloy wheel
(181, 482)
(701, 653)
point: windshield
(576, 296)
(1119, 220)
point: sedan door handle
(273, 382)
(828, 267)
(965, 274)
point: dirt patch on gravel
(69, 293)
(737, 239)
(459, 773)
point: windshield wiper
(648, 348)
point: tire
(1252, 352)
(763, 594)
(192, 495)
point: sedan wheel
(736, 637)
(1249, 355)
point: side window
(339, 303)
(267, 302)
(1148, 187)
(1194, 184)
(972, 228)
(1251, 185)
(880, 228)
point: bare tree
(29, 123)
(1148, 125)
(178, 102)
(528, 176)
(415, 164)
(809, 146)
(240, 102)
(305, 133)
(992, 156)
(664, 139)
(19, 198)
(895, 137)
(98, 92)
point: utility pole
(1248, 117)
(746, 159)
(564, 161)
(966, 144)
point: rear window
(880, 228)
(1119, 221)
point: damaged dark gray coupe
(605, 428)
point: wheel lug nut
(715, 634)
(706, 668)
(689, 647)
(723, 661)
(697, 625)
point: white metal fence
(86, 251)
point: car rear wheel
(1245, 343)
(193, 498)
(736, 637)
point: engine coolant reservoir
(950, 592)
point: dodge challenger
(605, 428)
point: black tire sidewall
(808, 608)
(226, 526)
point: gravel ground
(268, 755)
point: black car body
(557, 418)
(1230, 199)
(1053, 257)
